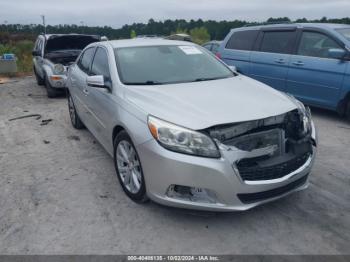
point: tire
(347, 110)
(39, 80)
(51, 92)
(74, 117)
(129, 169)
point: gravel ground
(59, 195)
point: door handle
(280, 61)
(298, 63)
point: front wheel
(128, 168)
(347, 111)
(39, 80)
(51, 92)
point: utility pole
(82, 26)
(43, 18)
(5, 22)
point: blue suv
(309, 61)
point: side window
(100, 64)
(242, 40)
(36, 44)
(39, 44)
(278, 42)
(85, 59)
(316, 45)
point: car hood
(69, 42)
(199, 105)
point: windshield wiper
(208, 78)
(149, 82)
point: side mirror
(233, 68)
(36, 53)
(336, 53)
(98, 81)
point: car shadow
(326, 114)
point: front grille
(250, 170)
(255, 197)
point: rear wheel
(39, 80)
(74, 117)
(128, 168)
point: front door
(100, 99)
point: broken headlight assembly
(305, 117)
(58, 69)
(182, 140)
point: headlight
(182, 140)
(58, 69)
(305, 115)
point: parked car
(179, 37)
(52, 55)
(212, 46)
(309, 61)
(187, 131)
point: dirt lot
(59, 195)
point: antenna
(43, 18)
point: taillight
(218, 55)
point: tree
(216, 29)
(200, 35)
(133, 34)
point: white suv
(51, 56)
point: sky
(116, 13)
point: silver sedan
(186, 130)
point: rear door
(269, 63)
(79, 89)
(237, 49)
(314, 77)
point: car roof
(143, 42)
(299, 25)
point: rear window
(242, 40)
(278, 42)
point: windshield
(152, 65)
(345, 32)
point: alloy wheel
(129, 167)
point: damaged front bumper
(201, 183)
